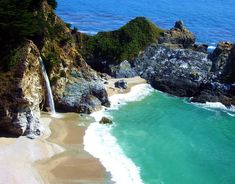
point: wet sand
(58, 156)
(74, 165)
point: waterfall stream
(48, 86)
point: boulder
(105, 120)
(121, 84)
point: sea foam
(99, 141)
(217, 105)
(211, 48)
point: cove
(174, 142)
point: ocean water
(210, 20)
(160, 139)
(157, 138)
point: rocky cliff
(176, 65)
(22, 92)
(76, 87)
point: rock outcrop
(22, 92)
(186, 72)
(81, 90)
(220, 56)
(180, 72)
(178, 37)
(228, 72)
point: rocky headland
(175, 64)
(77, 65)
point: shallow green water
(174, 142)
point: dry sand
(58, 156)
(17, 156)
(111, 90)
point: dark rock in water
(215, 92)
(105, 120)
(178, 37)
(121, 84)
(21, 93)
(186, 73)
(176, 71)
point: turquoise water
(174, 142)
(211, 20)
(171, 141)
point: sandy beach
(17, 156)
(58, 156)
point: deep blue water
(211, 20)
(172, 142)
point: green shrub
(122, 44)
(50, 60)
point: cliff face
(228, 73)
(76, 87)
(22, 92)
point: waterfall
(48, 86)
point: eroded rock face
(75, 86)
(220, 56)
(21, 93)
(176, 71)
(228, 73)
(79, 93)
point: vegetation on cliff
(20, 20)
(122, 44)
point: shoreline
(63, 153)
(75, 164)
(100, 142)
(58, 155)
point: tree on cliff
(20, 20)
